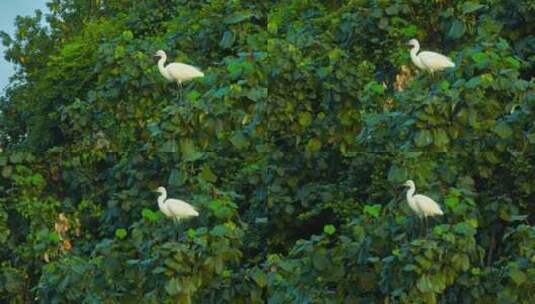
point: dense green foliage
(293, 148)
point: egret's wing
(181, 208)
(415, 208)
(183, 71)
(427, 205)
(435, 61)
(165, 211)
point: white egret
(422, 205)
(429, 61)
(176, 71)
(174, 208)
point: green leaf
(176, 178)
(257, 94)
(150, 215)
(54, 237)
(154, 129)
(37, 180)
(456, 30)
(7, 171)
(237, 17)
(438, 281)
(227, 40)
(235, 68)
(452, 202)
(531, 137)
(423, 138)
(461, 261)
(320, 260)
(520, 218)
(127, 35)
(272, 27)
(409, 31)
(473, 82)
(239, 140)
(173, 287)
(512, 62)
(397, 175)
(215, 205)
(158, 270)
(373, 210)
(16, 157)
(518, 276)
(191, 233)
(329, 229)
(375, 87)
(424, 284)
(503, 130)
(218, 230)
(444, 85)
(120, 233)
(168, 146)
(259, 277)
(471, 6)
(465, 229)
(392, 10)
(193, 95)
(305, 119)
(423, 262)
(189, 150)
(313, 145)
(208, 175)
(481, 59)
(220, 210)
(440, 138)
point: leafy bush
(293, 147)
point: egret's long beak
(409, 44)
(405, 185)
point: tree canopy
(293, 148)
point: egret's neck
(414, 55)
(161, 67)
(410, 193)
(415, 49)
(161, 198)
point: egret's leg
(181, 93)
(430, 221)
(419, 227)
(421, 224)
(424, 225)
(177, 228)
(413, 228)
